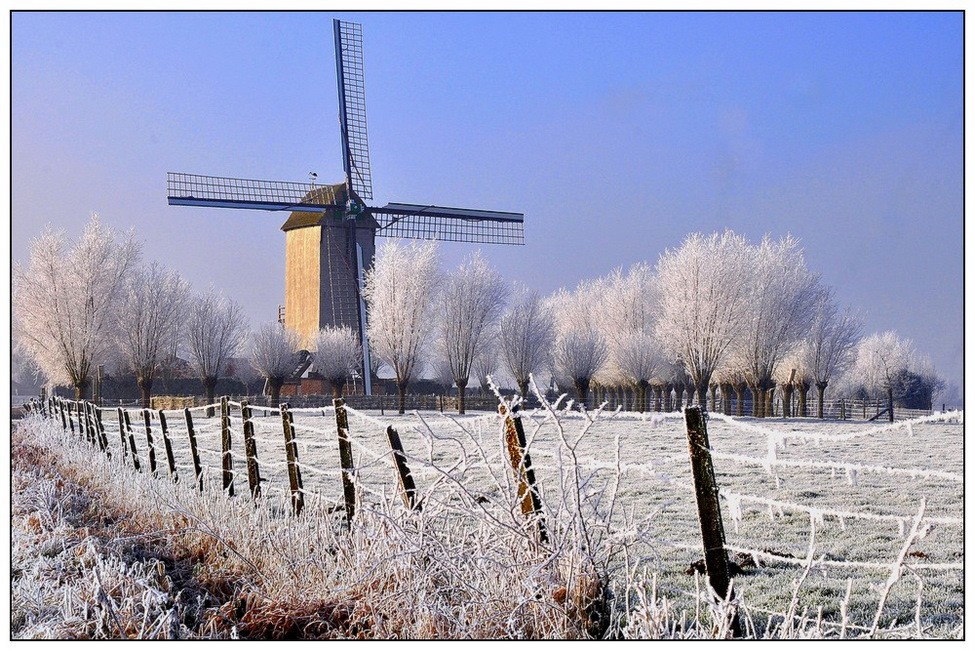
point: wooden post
(64, 417)
(291, 450)
(521, 464)
(170, 459)
(197, 468)
(227, 460)
(100, 429)
(82, 425)
(403, 475)
(708, 509)
(121, 432)
(250, 449)
(345, 458)
(149, 443)
(128, 428)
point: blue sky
(616, 134)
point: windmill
(330, 236)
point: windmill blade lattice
(352, 107)
(449, 224)
(225, 192)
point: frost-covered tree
(782, 294)
(702, 297)
(486, 363)
(215, 330)
(580, 351)
(831, 344)
(152, 304)
(628, 313)
(880, 358)
(65, 301)
(470, 301)
(400, 291)
(274, 354)
(338, 354)
(527, 331)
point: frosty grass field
(849, 485)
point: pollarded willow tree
(400, 291)
(703, 290)
(782, 294)
(579, 352)
(527, 332)
(830, 347)
(880, 359)
(338, 354)
(628, 316)
(153, 304)
(65, 301)
(470, 301)
(215, 330)
(274, 354)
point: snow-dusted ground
(852, 489)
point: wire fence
(231, 437)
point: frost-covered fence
(829, 508)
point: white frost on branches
(153, 304)
(66, 300)
(338, 355)
(527, 331)
(400, 291)
(580, 351)
(216, 330)
(470, 300)
(703, 292)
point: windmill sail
(223, 192)
(352, 107)
(449, 224)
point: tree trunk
(210, 389)
(668, 397)
(890, 404)
(523, 388)
(678, 397)
(642, 398)
(145, 387)
(658, 396)
(275, 384)
(758, 401)
(770, 401)
(739, 400)
(337, 387)
(401, 390)
(787, 400)
(582, 390)
(803, 399)
(702, 396)
(821, 389)
(461, 392)
(81, 389)
(714, 397)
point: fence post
(64, 418)
(171, 460)
(227, 460)
(521, 464)
(149, 443)
(291, 450)
(345, 458)
(100, 430)
(403, 474)
(121, 431)
(82, 426)
(128, 428)
(250, 449)
(197, 468)
(709, 509)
